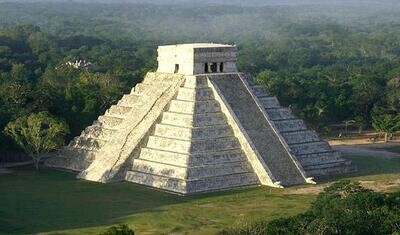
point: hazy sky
(232, 2)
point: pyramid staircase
(193, 148)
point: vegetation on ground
(121, 229)
(344, 207)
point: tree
(37, 133)
(386, 123)
(121, 229)
(345, 207)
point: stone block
(290, 125)
(308, 148)
(270, 102)
(298, 137)
(195, 94)
(280, 114)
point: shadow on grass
(367, 166)
(49, 200)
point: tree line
(327, 67)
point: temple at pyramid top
(197, 58)
(199, 125)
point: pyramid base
(193, 186)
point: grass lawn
(57, 203)
(53, 202)
(394, 149)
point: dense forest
(330, 63)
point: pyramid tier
(195, 94)
(190, 107)
(195, 82)
(303, 136)
(118, 111)
(193, 146)
(193, 172)
(196, 133)
(190, 120)
(270, 102)
(193, 186)
(193, 159)
(74, 159)
(87, 143)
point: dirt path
(378, 186)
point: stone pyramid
(198, 125)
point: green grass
(394, 149)
(56, 203)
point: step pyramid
(198, 125)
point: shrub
(121, 229)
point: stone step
(195, 82)
(329, 170)
(72, 159)
(290, 125)
(315, 158)
(249, 79)
(195, 94)
(116, 110)
(309, 148)
(222, 182)
(109, 121)
(173, 145)
(186, 133)
(270, 102)
(259, 91)
(300, 137)
(193, 186)
(190, 107)
(87, 143)
(130, 101)
(141, 88)
(326, 164)
(213, 145)
(194, 146)
(280, 114)
(72, 152)
(96, 131)
(197, 120)
(160, 78)
(191, 160)
(179, 172)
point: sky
(233, 2)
